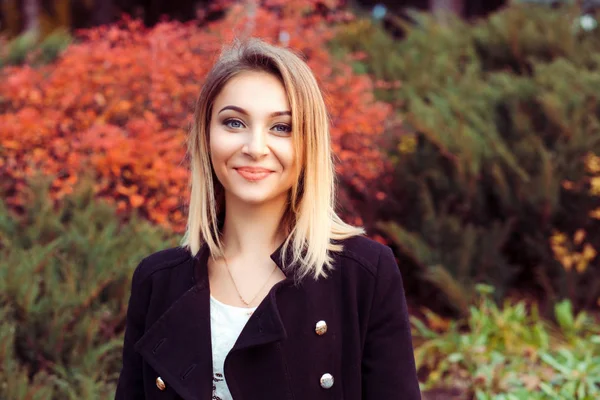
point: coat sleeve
(388, 363)
(130, 385)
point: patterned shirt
(227, 323)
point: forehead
(255, 92)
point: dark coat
(367, 347)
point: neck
(252, 231)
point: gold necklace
(247, 303)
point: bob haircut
(310, 222)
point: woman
(271, 295)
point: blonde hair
(311, 222)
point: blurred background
(466, 136)
(43, 16)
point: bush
(496, 174)
(53, 46)
(65, 275)
(15, 52)
(25, 49)
(119, 102)
(512, 353)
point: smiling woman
(271, 295)
(251, 142)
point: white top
(227, 323)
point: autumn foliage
(118, 104)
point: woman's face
(251, 145)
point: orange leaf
(136, 200)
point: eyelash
(228, 121)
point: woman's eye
(233, 123)
(283, 128)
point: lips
(253, 174)
(253, 170)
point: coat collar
(201, 271)
(178, 344)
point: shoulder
(161, 260)
(366, 252)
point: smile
(253, 174)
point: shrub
(497, 178)
(120, 99)
(512, 353)
(65, 275)
(53, 45)
(25, 49)
(15, 52)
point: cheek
(219, 149)
(287, 155)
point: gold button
(321, 328)
(160, 383)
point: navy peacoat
(366, 348)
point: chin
(246, 196)
(256, 199)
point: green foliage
(15, 53)
(25, 49)
(512, 353)
(53, 45)
(499, 118)
(64, 286)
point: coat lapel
(178, 344)
(265, 325)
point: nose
(256, 146)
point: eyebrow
(242, 111)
